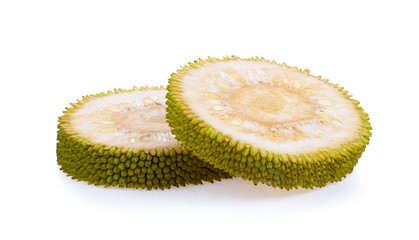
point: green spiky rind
(112, 166)
(286, 171)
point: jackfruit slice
(121, 138)
(267, 122)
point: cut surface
(269, 106)
(135, 119)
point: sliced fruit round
(267, 122)
(121, 138)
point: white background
(54, 52)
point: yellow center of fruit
(270, 105)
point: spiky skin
(112, 166)
(286, 171)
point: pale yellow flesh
(271, 107)
(128, 120)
